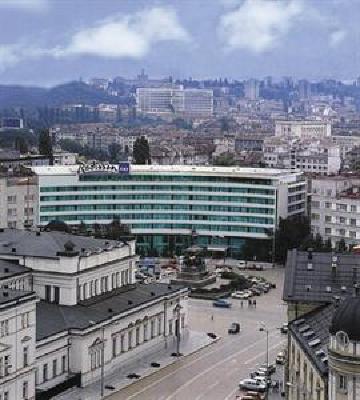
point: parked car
(255, 395)
(234, 328)
(280, 358)
(242, 264)
(270, 368)
(255, 385)
(240, 295)
(284, 328)
(222, 303)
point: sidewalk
(190, 343)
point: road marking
(207, 390)
(250, 360)
(193, 362)
(231, 394)
(189, 382)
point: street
(214, 372)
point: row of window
(13, 198)
(148, 188)
(335, 206)
(160, 207)
(98, 176)
(56, 370)
(101, 285)
(24, 323)
(335, 219)
(12, 212)
(25, 392)
(159, 197)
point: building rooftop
(16, 242)
(10, 268)
(10, 295)
(312, 333)
(266, 173)
(53, 318)
(320, 279)
(346, 318)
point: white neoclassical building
(84, 314)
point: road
(214, 372)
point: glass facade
(165, 210)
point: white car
(255, 385)
(240, 295)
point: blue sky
(44, 42)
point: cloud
(126, 36)
(337, 37)
(27, 5)
(258, 25)
(12, 54)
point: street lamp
(177, 310)
(102, 365)
(264, 329)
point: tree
(45, 145)
(141, 152)
(328, 245)
(224, 160)
(342, 246)
(58, 226)
(21, 145)
(114, 152)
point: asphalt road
(214, 372)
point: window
(63, 364)
(130, 339)
(6, 395)
(114, 346)
(45, 372)
(342, 383)
(122, 343)
(4, 328)
(327, 231)
(12, 224)
(170, 327)
(24, 320)
(342, 220)
(341, 207)
(353, 208)
(352, 235)
(152, 329)
(11, 199)
(48, 293)
(137, 333)
(353, 222)
(26, 356)
(54, 368)
(145, 331)
(327, 205)
(57, 295)
(11, 212)
(327, 218)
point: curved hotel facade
(170, 207)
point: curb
(176, 360)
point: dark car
(222, 303)
(284, 329)
(234, 328)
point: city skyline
(302, 38)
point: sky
(45, 42)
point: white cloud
(337, 37)
(258, 25)
(27, 5)
(126, 36)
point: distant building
(302, 128)
(18, 201)
(175, 101)
(335, 208)
(11, 123)
(304, 89)
(252, 89)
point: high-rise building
(176, 101)
(304, 89)
(252, 89)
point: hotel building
(169, 207)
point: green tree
(141, 152)
(342, 246)
(328, 245)
(21, 145)
(45, 145)
(224, 160)
(114, 152)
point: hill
(75, 92)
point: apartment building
(18, 201)
(335, 208)
(302, 128)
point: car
(270, 368)
(255, 385)
(242, 264)
(284, 329)
(255, 292)
(255, 395)
(240, 295)
(280, 358)
(234, 328)
(222, 303)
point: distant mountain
(75, 92)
